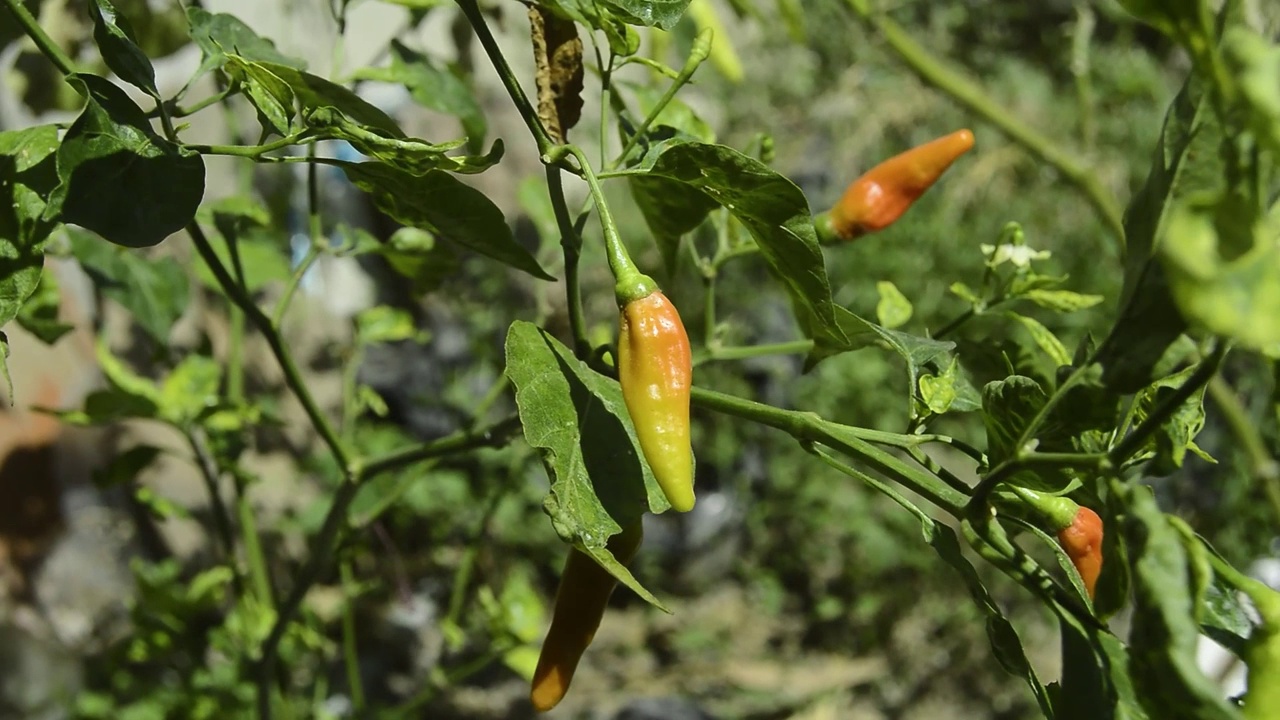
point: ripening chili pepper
(1078, 528)
(877, 199)
(581, 600)
(655, 369)
(1082, 540)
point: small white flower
(1020, 255)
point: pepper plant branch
(968, 93)
(1262, 466)
(255, 152)
(699, 53)
(619, 260)
(875, 483)
(221, 516)
(571, 246)
(471, 9)
(43, 42)
(1167, 407)
(809, 427)
(1030, 461)
(293, 376)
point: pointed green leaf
(119, 178)
(577, 419)
(440, 203)
(119, 47)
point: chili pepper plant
(1046, 495)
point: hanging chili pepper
(876, 200)
(1082, 540)
(581, 600)
(655, 369)
(1078, 528)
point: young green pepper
(655, 369)
(876, 200)
(581, 600)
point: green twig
(701, 49)
(43, 42)
(1262, 466)
(571, 246)
(808, 427)
(471, 9)
(350, 651)
(295, 280)
(221, 515)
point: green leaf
(671, 210)
(1255, 64)
(408, 154)
(894, 309)
(1009, 406)
(1044, 338)
(119, 178)
(1095, 674)
(939, 391)
(1171, 441)
(219, 33)
(417, 255)
(1063, 301)
(1186, 160)
(439, 89)
(315, 93)
(1004, 639)
(154, 290)
(271, 96)
(40, 315)
(385, 324)
(28, 175)
(1164, 633)
(1224, 269)
(919, 354)
(125, 466)
(577, 419)
(776, 214)
(662, 14)
(119, 47)
(190, 390)
(440, 203)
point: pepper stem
(631, 284)
(1059, 512)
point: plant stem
(620, 261)
(472, 11)
(969, 94)
(462, 577)
(1027, 461)
(1262, 466)
(350, 654)
(38, 36)
(221, 515)
(251, 151)
(791, 347)
(492, 436)
(295, 279)
(808, 427)
(857, 474)
(691, 65)
(571, 245)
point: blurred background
(797, 593)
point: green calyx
(826, 231)
(633, 285)
(1057, 512)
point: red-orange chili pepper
(581, 600)
(655, 369)
(1082, 540)
(877, 199)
